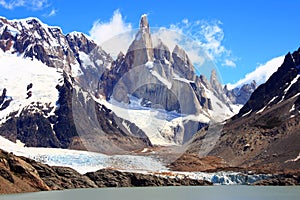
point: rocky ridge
(161, 78)
(61, 122)
(264, 135)
(164, 79)
(74, 53)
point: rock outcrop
(113, 178)
(281, 86)
(148, 72)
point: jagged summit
(280, 87)
(156, 76)
(163, 79)
(144, 25)
(141, 49)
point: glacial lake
(165, 193)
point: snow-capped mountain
(74, 95)
(240, 95)
(164, 80)
(46, 80)
(75, 53)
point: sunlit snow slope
(27, 81)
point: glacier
(84, 161)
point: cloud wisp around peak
(261, 74)
(104, 34)
(197, 38)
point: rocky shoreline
(21, 174)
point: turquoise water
(163, 193)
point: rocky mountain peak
(182, 64)
(213, 75)
(141, 49)
(162, 52)
(144, 25)
(281, 86)
(120, 55)
(80, 42)
(216, 86)
(240, 95)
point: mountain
(75, 53)
(264, 135)
(47, 79)
(75, 95)
(240, 95)
(160, 79)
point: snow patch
(294, 160)
(246, 113)
(19, 143)
(86, 61)
(17, 73)
(292, 109)
(165, 81)
(261, 110)
(220, 111)
(151, 121)
(100, 62)
(149, 64)
(13, 31)
(292, 83)
(272, 100)
(75, 70)
(182, 79)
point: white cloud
(185, 21)
(173, 36)
(261, 74)
(10, 4)
(30, 4)
(211, 37)
(202, 40)
(104, 34)
(52, 13)
(229, 63)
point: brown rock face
(192, 162)
(17, 175)
(113, 178)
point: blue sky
(249, 33)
